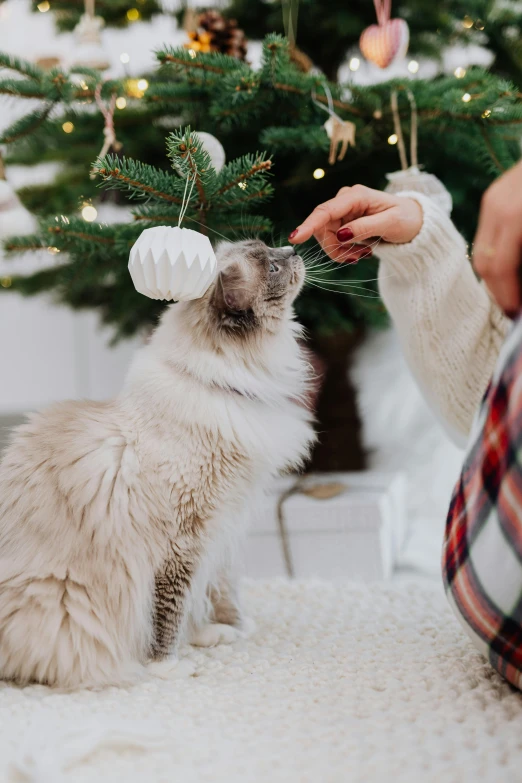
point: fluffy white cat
(119, 520)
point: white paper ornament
(176, 264)
(420, 182)
(214, 148)
(88, 50)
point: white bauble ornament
(88, 50)
(421, 182)
(176, 264)
(214, 148)
(15, 220)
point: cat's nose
(287, 251)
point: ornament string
(186, 198)
(383, 10)
(290, 9)
(110, 140)
(394, 102)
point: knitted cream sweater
(450, 328)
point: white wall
(49, 353)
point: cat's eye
(274, 268)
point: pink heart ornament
(382, 44)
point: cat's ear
(233, 291)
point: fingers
(497, 260)
(349, 203)
(365, 227)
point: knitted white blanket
(338, 683)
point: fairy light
(467, 22)
(479, 24)
(486, 113)
(318, 173)
(466, 97)
(89, 213)
(68, 127)
(43, 7)
(84, 85)
(142, 84)
(133, 14)
(121, 102)
(413, 66)
(6, 282)
(192, 53)
(124, 57)
(354, 64)
(393, 139)
(460, 72)
(242, 185)
(53, 250)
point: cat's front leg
(227, 622)
(171, 589)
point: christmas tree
(469, 127)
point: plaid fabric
(482, 556)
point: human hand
(343, 225)
(497, 249)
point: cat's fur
(119, 520)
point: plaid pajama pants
(482, 556)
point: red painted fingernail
(344, 234)
(292, 235)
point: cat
(120, 520)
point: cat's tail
(54, 632)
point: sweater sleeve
(450, 328)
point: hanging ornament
(340, 132)
(411, 177)
(214, 148)
(15, 219)
(211, 32)
(386, 41)
(110, 141)
(173, 263)
(88, 50)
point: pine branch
(27, 125)
(23, 67)
(126, 174)
(255, 166)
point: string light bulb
(121, 102)
(5, 282)
(68, 127)
(124, 57)
(242, 185)
(393, 139)
(466, 97)
(192, 53)
(43, 7)
(467, 22)
(460, 72)
(89, 213)
(479, 24)
(318, 173)
(142, 84)
(486, 113)
(53, 250)
(133, 14)
(413, 66)
(354, 64)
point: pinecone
(216, 34)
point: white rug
(347, 683)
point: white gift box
(355, 535)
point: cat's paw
(215, 633)
(172, 668)
(247, 627)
